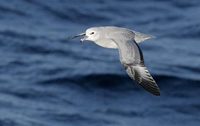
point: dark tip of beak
(75, 36)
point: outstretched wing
(132, 58)
(141, 75)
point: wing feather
(132, 58)
(142, 76)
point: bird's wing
(140, 37)
(141, 75)
(132, 59)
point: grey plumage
(131, 58)
(130, 53)
(141, 75)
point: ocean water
(46, 80)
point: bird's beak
(79, 35)
(76, 36)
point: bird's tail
(140, 37)
(141, 75)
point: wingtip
(140, 37)
(156, 93)
(142, 76)
(152, 37)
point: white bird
(131, 57)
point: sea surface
(46, 80)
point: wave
(15, 34)
(76, 118)
(6, 9)
(118, 80)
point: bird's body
(112, 31)
(131, 56)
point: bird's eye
(91, 33)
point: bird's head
(91, 34)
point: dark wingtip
(154, 90)
(156, 93)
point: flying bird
(131, 57)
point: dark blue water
(48, 81)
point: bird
(130, 54)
